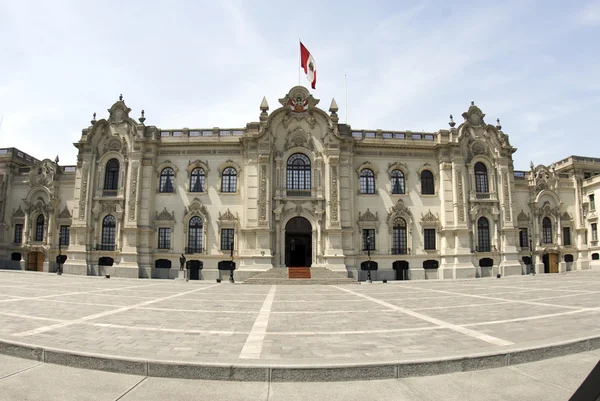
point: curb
(297, 373)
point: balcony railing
(298, 192)
(482, 195)
(105, 247)
(110, 192)
(193, 249)
(483, 249)
(399, 251)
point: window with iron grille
(167, 180)
(594, 232)
(547, 230)
(197, 180)
(226, 239)
(481, 178)
(18, 233)
(427, 187)
(566, 236)
(298, 172)
(64, 235)
(109, 231)
(429, 238)
(367, 181)
(229, 180)
(164, 238)
(368, 239)
(195, 235)
(111, 176)
(399, 241)
(483, 235)
(398, 182)
(39, 228)
(523, 238)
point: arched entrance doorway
(550, 262)
(35, 261)
(298, 243)
(401, 268)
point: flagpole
(299, 61)
(346, 84)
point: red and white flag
(308, 63)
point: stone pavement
(554, 379)
(205, 322)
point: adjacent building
(297, 188)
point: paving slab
(10, 365)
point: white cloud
(590, 14)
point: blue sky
(533, 64)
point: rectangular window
(226, 239)
(592, 202)
(164, 238)
(18, 233)
(567, 236)
(64, 235)
(429, 238)
(594, 231)
(523, 240)
(368, 239)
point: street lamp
(231, 280)
(59, 257)
(531, 255)
(369, 258)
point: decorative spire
(93, 119)
(498, 126)
(472, 103)
(264, 106)
(142, 118)
(451, 123)
(531, 165)
(56, 159)
(333, 109)
(121, 97)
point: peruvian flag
(308, 63)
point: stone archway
(298, 242)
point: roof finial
(531, 165)
(142, 118)
(264, 106)
(451, 123)
(56, 159)
(472, 103)
(498, 126)
(121, 97)
(93, 119)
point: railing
(110, 192)
(483, 249)
(214, 132)
(105, 247)
(482, 195)
(359, 134)
(298, 192)
(193, 249)
(399, 251)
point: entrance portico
(298, 243)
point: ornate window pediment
(197, 164)
(164, 219)
(523, 217)
(430, 220)
(565, 217)
(400, 210)
(228, 220)
(64, 216)
(368, 220)
(18, 215)
(299, 139)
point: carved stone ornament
(227, 216)
(474, 116)
(196, 208)
(299, 103)
(299, 138)
(109, 207)
(547, 210)
(565, 217)
(118, 112)
(42, 173)
(165, 216)
(65, 214)
(368, 216)
(523, 217)
(429, 220)
(399, 210)
(543, 178)
(113, 144)
(19, 213)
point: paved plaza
(206, 322)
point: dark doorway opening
(162, 264)
(194, 267)
(298, 243)
(486, 262)
(550, 263)
(15, 256)
(431, 264)
(401, 268)
(105, 261)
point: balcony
(193, 249)
(481, 195)
(298, 192)
(400, 251)
(110, 192)
(483, 249)
(105, 247)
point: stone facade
(296, 187)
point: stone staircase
(318, 275)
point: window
(298, 173)
(367, 181)
(111, 176)
(64, 235)
(226, 239)
(164, 238)
(399, 241)
(523, 238)
(594, 231)
(483, 235)
(18, 233)
(109, 233)
(566, 236)
(167, 179)
(368, 239)
(547, 230)
(592, 202)
(195, 235)
(229, 180)
(398, 182)
(39, 228)
(427, 183)
(481, 178)
(197, 180)
(429, 238)
(595, 256)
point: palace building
(297, 188)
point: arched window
(483, 235)
(427, 183)
(39, 228)
(547, 230)
(229, 180)
(167, 179)
(481, 178)
(367, 181)
(111, 176)
(197, 180)
(399, 243)
(109, 233)
(398, 182)
(298, 174)
(195, 235)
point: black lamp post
(531, 255)
(59, 257)
(231, 280)
(369, 258)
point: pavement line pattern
(102, 314)
(254, 343)
(459, 329)
(165, 330)
(521, 319)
